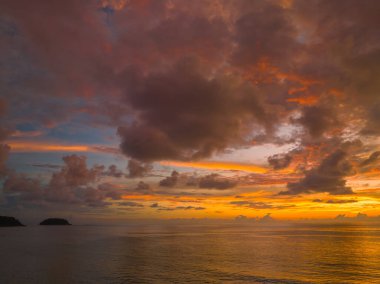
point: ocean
(175, 253)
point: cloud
(46, 82)
(215, 181)
(75, 172)
(373, 120)
(130, 204)
(143, 187)
(4, 148)
(171, 180)
(266, 218)
(259, 205)
(359, 217)
(183, 114)
(74, 184)
(189, 208)
(335, 201)
(210, 181)
(138, 169)
(318, 119)
(254, 205)
(164, 208)
(28, 188)
(189, 80)
(280, 161)
(4, 153)
(327, 177)
(264, 30)
(371, 159)
(180, 208)
(113, 171)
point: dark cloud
(171, 180)
(371, 159)
(250, 204)
(113, 171)
(29, 189)
(143, 187)
(335, 201)
(280, 161)
(180, 208)
(4, 133)
(189, 208)
(4, 148)
(183, 114)
(189, 79)
(348, 39)
(258, 205)
(209, 181)
(138, 169)
(264, 31)
(42, 81)
(181, 109)
(373, 120)
(130, 204)
(193, 34)
(327, 177)
(164, 208)
(4, 152)
(318, 119)
(154, 205)
(215, 181)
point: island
(55, 221)
(6, 221)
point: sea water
(190, 254)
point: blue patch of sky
(78, 130)
(27, 126)
(77, 133)
(23, 162)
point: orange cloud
(40, 146)
(114, 4)
(310, 100)
(45, 147)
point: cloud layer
(188, 81)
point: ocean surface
(190, 254)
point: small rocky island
(6, 221)
(55, 221)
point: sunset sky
(138, 109)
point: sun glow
(211, 165)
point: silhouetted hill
(55, 221)
(6, 221)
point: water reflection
(190, 254)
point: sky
(161, 109)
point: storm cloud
(327, 177)
(157, 82)
(184, 114)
